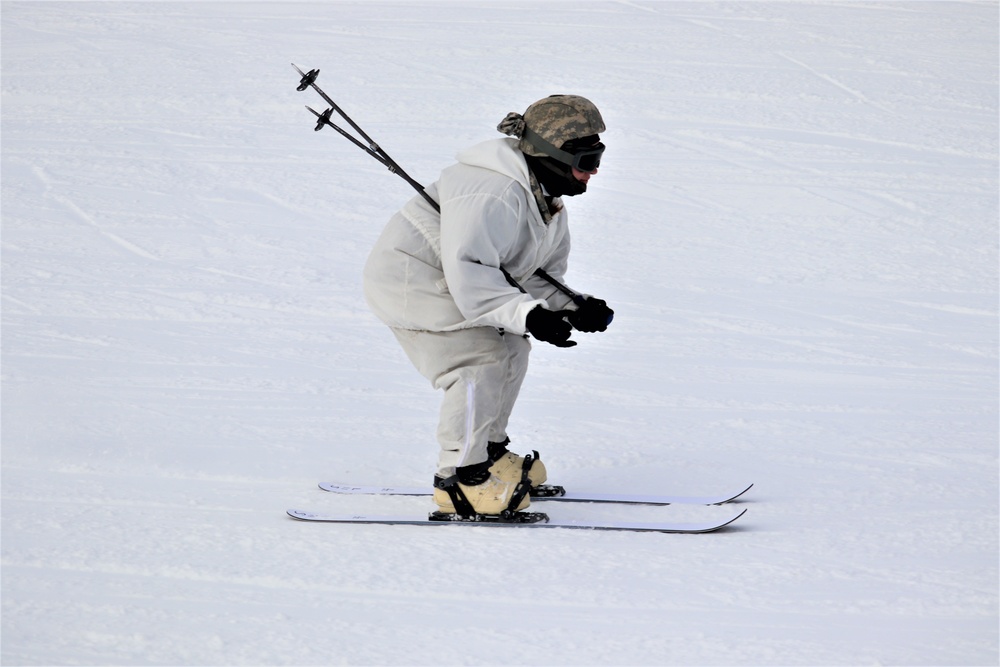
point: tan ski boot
(475, 491)
(506, 462)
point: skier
(460, 292)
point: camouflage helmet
(550, 122)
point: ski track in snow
(796, 224)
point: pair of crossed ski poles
(374, 150)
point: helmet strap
(545, 147)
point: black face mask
(557, 178)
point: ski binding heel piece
(547, 491)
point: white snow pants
(480, 371)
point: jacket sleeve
(477, 231)
(555, 265)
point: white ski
(570, 496)
(543, 522)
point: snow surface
(796, 224)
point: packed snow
(795, 222)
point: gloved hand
(550, 326)
(593, 315)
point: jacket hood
(499, 155)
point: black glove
(550, 326)
(593, 315)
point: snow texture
(795, 222)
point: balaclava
(546, 130)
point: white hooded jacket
(442, 272)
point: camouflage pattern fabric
(543, 206)
(513, 125)
(556, 119)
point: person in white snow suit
(460, 292)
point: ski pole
(374, 150)
(578, 299)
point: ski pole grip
(579, 300)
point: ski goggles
(582, 158)
(587, 159)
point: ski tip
(715, 527)
(734, 518)
(734, 497)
